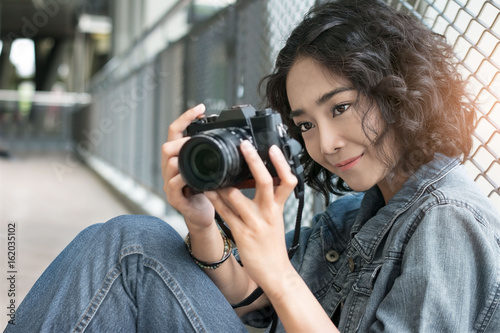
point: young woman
(375, 99)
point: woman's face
(323, 108)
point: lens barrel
(212, 159)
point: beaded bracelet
(211, 265)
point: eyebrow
(321, 100)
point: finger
(224, 210)
(242, 206)
(178, 188)
(234, 199)
(171, 168)
(177, 127)
(172, 188)
(176, 183)
(288, 180)
(170, 149)
(263, 179)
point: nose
(330, 140)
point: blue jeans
(130, 274)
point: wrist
(202, 231)
(212, 264)
(206, 244)
(282, 284)
(195, 221)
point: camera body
(211, 158)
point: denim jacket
(428, 261)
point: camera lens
(205, 161)
(212, 159)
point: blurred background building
(89, 87)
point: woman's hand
(198, 212)
(196, 209)
(257, 224)
(258, 228)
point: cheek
(313, 149)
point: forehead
(308, 80)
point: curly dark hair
(398, 65)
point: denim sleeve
(449, 276)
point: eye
(305, 126)
(339, 109)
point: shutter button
(332, 256)
(351, 264)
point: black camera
(211, 158)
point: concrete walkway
(49, 208)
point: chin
(359, 187)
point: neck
(390, 187)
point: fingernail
(246, 146)
(274, 150)
(200, 107)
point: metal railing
(38, 120)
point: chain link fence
(222, 59)
(472, 27)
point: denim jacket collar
(375, 219)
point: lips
(349, 163)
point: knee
(140, 227)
